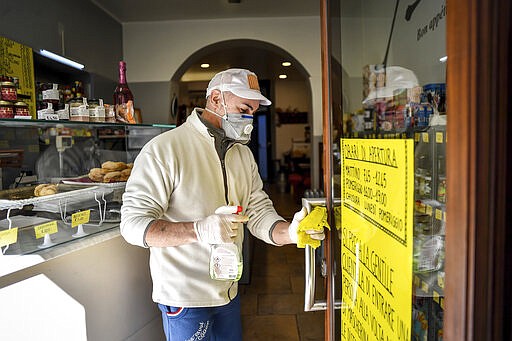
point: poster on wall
(16, 60)
(377, 238)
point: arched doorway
(273, 136)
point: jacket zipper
(224, 174)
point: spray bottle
(226, 259)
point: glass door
(386, 166)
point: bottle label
(125, 112)
(63, 113)
(51, 94)
(225, 262)
(78, 111)
(97, 112)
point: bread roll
(38, 189)
(125, 174)
(45, 189)
(96, 174)
(48, 190)
(112, 166)
(112, 177)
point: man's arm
(214, 229)
(162, 233)
(280, 234)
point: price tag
(439, 137)
(440, 281)
(424, 286)
(429, 210)
(416, 137)
(439, 214)
(416, 281)
(51, 117)
(9, 237)
(435, 296)
(80, 218)
(424, 137)
(44, 229)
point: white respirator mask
(237, 126)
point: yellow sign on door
(377, 188)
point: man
(178, 181)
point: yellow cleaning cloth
(316, 220)
(337, 217)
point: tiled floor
(273, 301)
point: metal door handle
(310, 303)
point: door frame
(478, 245)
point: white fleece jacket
(178, 177)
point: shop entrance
(278, 127)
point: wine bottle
(123, 97)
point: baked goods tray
(65, 197)
(86, 182)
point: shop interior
(164, 51)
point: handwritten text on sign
(80, 218)
(8, 237)
(377, 207)
(44, 229)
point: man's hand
(218, 228)
(293, 228)
(297, 218)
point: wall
(290, 95)
(365, 33)
(155, 50)
(90, 36)
(111, 280)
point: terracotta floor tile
(249, 304)
(273, 301)
(269, 284)
(270, 328)
(275, 304)
(298, 284)
(311, 325)
(278, 269)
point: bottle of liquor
(123, 97)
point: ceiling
(265, 61)
(159, 10)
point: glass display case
(61, 181)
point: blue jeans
(221, 323)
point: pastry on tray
(45, 189)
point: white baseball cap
(242, 83)
(396, 78)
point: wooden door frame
(478, 245)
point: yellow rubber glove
(311, 229)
